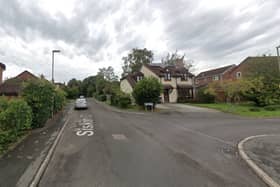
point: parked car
(81, 103)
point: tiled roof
(14, 85)
(216, 71)
(160, 70)
(3, 66)
(132, 78)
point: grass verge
(241, 109)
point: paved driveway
(154, 149)
(184, 108)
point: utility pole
(278, 57)
(53, 51)
(53, 99)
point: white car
(81, 103)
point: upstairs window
(216, 78)
(139, 78)
(167, 76)
(184, 77)
(238, 75)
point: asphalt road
(101, 147)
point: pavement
(18, 167)
(264, 151)
(104, 147)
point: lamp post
(278, 57)
(53, 51)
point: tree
(108, 74)
(147, 90)
(135, 59)
(88, 86)
(177, 59)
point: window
(216, 78)
(167, 77)
(238, 75)
(139, 78)
(184, 77)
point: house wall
(172, 82)
(173, 96)
(1, 75)
(126, 87)
(188, 82)
(148, 73)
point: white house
(177, 81)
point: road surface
(101, 147)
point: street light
(278, 57)
(53, 51)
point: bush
(254, 109)
(102, 97)
(272, 107)
(59, 100)
(205, 97)
(6, 138)
(124, 101)
(39, 95)
(147, 90)
(17, 116)
(3, 103)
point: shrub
(59, 100)
(6, 137)
(39, 95)
(17, 116)
(205, 97)
(3, 103)
(254, 109)
(272, 107)
(124, 101)
(101, 97)
(147, 90)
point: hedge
(16, 117)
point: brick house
(254, 66)
(177, 81)
(12, 87)
(218, 74)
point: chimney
(2, 68)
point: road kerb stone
(46, 161)
(262, 174)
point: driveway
(184, 108)
(154, 149)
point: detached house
(177, 81)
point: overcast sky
(96, 33)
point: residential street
(101, 147)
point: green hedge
(43, 99)
(121, 100)
(59, 100)
(16, 117)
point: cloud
(95, 34)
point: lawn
(241, 109)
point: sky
(92, 34)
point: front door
(166, 95)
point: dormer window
(167, 76)
(184, 77)
(139, 78)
